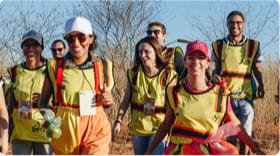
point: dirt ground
(267, 138)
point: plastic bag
(53, 130)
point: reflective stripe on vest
(221, 92)
(219, 48)
(237, 68)
(135, 71)
(59, 78)
(169, 52)
(13, 72)
(235, 74)
(140, 107)
(187, 132)
(175, 94)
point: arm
(4, 120)
(258, 74)
(12, 102)
(45, 94)
(216, 77)
(243, 135)
(163, 129)
(122, 110)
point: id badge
(24, 110)
(87, 100)
(149, 106)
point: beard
(232, 34)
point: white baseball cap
(78, 24)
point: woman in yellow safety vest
(145, 91)
(196, 112)
(27, 81)
(81, 84)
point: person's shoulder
(171, 71)
(177, 49)
(220, 40)
(96, 58)
(249, 39)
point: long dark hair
(93, 45)
(156, 46)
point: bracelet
(118, 121)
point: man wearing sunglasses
(58, 49)
(173, 55)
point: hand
(260, 152)
(116, 130)
(217, 79)
(46, 124)
(277, 98)
(4, 145)
(260, 91)
(105, 98)
(36, 97)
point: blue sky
(179, 14)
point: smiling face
(32, 50)
(196, 63)
(147, 55)
(235, 25)
(78, 44)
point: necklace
(195, 88)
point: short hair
(58, 40)
(157, 48)
(235, 12)
(158, 24)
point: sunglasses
(149, 32)
(71, 38)
(57, 49)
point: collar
(88, 64)
(242, 42)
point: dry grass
(265, 124)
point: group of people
(176, 106)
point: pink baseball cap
(198, 46)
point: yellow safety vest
(67, 82)
(142, 88)
(235, 64)
(197, 114)
(169, 55)
(25, 82)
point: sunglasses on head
(149, 32)
(71, 38)
(57, 49)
